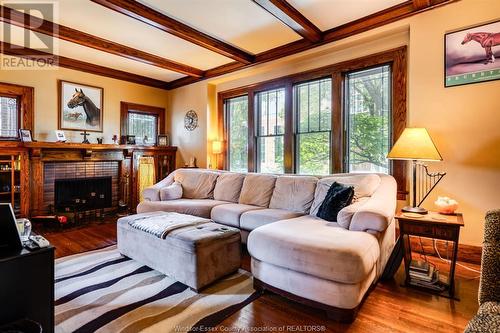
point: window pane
(237, 113)
(271, 127)
(314, 114)
(368, 119)
(271, 154)
(314, 106)
(8, 117)
(313, 153)
(143, 126)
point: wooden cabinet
(14, 179)
(164, 164)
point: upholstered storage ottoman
(194, 251)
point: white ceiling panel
(86, 54)
(239, 22)
(327, 14)
(100, 21)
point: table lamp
(216, 150)
(415, 144)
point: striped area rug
(103, 291)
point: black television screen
(9, 236)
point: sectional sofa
(328, 265)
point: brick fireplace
(67, 172)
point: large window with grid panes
(342, 118)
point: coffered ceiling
(172, 43)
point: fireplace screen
(83, 193)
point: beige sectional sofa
(330, 265)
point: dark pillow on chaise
(337, 197)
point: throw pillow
(337, 197)
(171, 192)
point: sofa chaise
(329, 265)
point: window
(143, 121)
(16, 110)
(270, 130)
(313, 105)
(143, 126)
(338, 118)
(368, 119)
(9, 117)
(237, 117)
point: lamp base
(416, 210)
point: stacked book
(424, 275)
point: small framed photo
(25, 135)
(131, 139)
(60, 136)
(163, 140)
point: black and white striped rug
(103, 291)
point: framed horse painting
(80, 107)
(472, 55)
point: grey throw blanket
(161, 225)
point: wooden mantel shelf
(92, 146)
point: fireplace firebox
(83, 194)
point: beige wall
(46, 99)
(463, 120)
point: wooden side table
(431, 225)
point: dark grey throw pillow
(337, 197)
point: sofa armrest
(152, 193)
(377, 213)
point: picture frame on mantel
(469, 54)
(81, 107)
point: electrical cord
(434, 242)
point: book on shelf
(423, 276)
(419, 265)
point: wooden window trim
(126, 107)
(26, 97)
(397, 58)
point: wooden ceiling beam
(55, 30)
(147, 15)
(386, 16)
(421, 4)
(291, 17)
(60, 61)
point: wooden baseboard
(466, 253)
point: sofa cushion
(196, 207)
(171, 192)
(196, 184)
(228, 186)
(313, 246)
(256, 218)
(364, 186)
(230, 214)
(257, 189)
(294, 193)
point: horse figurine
(91, 110)
(487, 40)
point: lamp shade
(415, 144)
(216, 147)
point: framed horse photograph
(80, 107)
(472, 55)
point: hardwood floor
(388, 308)
(81, 239)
